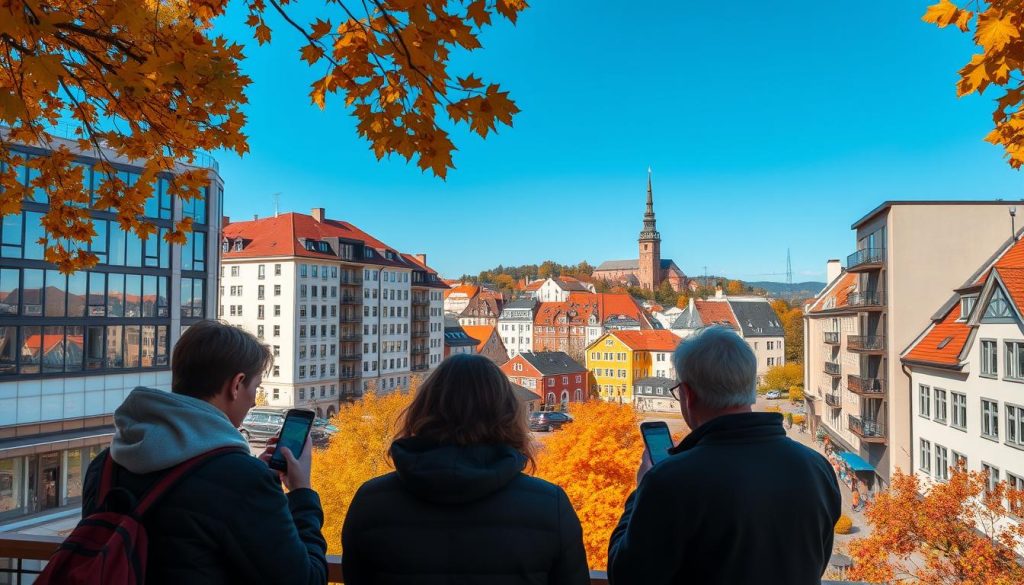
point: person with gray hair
(737, 501)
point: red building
(553, 375)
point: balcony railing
(22, 556)
(870, 430)
(834, 400)
(866, 259)
(864, 386)
(866, 343)
(833, 369)
(867, 299)
(832, 337)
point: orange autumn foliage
(951, 533)
(356, 454)
(149, 81)
(997, 27)
(595, 460)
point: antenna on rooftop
(277, 203)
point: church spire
(650, 231)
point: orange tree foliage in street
(357, 453)
(954, 533)
(996, 26)
(149, 80)
(595, 460)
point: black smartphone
(657, 438)
(297, 424)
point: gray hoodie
(156, 430)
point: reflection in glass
(161, 297)
(56, 297)
(9, 291)
(76, 294)
(148, 296)
(98, 245)
(131, 346)
(33, 233)
(148, 345)
(32, 292)
(30, 350)
(115, 341)
(53, 349)
(11, 236)
(94, 348)
(74, 349)
(133, 296)
(116, 244)
(8, 347)
(134, 254)
(115, 295)
(97, 294)
(161, 345)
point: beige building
(909, 255)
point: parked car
(773, 395)
(264, 422)
(548, 421)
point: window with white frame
(924, 400)
(989, 358)
(926, 457)
(940, 405)
(989, 419)
(959, 410)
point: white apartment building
(515, 326)
(909, 256)
(72, 347)
(343, 312)
(967, 378)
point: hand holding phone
(294, 436)
(658, 440)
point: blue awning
(856, 462)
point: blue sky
(769, 126)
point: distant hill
(797, 290)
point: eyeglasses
(674, 391)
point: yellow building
(618, 358)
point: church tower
(649, 272)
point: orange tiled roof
(481, 333)
(716, 313)
(648, 339)
(948, 333)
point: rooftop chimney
(422, 258)
(832, 270)
(318, 214)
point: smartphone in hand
(297, 424)
(658, 440)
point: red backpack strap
(176, 473)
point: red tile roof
(482, 333)
(648, 339)
(716, 313)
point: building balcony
(866, 260)
(867, 300)
(22, 557)
(350, 356)
(867, 387)
(351, 300)
(869, 430)
(833, 369)
(866, 343)
(832, 337)
(834, 400)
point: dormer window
(966, 306)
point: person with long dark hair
(458, 508)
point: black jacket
(461, 516)
(738, 502)
(228, 521)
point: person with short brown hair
(458, 507)
(227, 520)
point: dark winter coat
(461, 516)
(738, 502)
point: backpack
(109, 547)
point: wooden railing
(19, 548)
